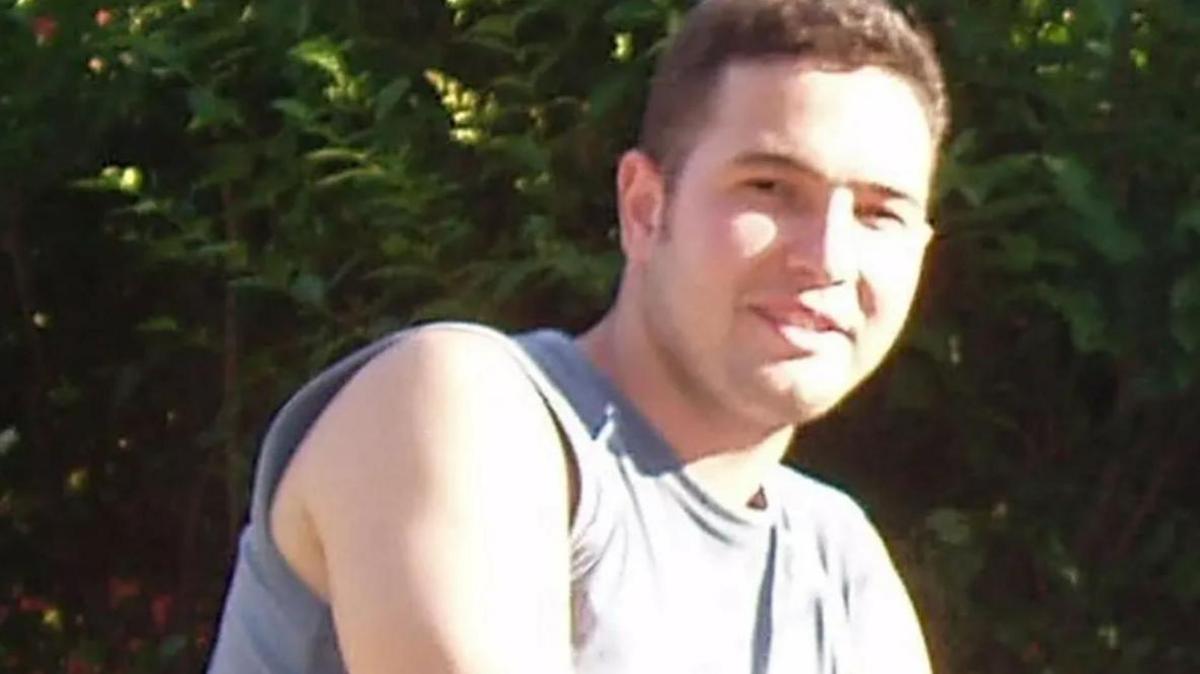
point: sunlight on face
(797, 231)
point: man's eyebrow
(793, 163)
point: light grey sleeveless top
(664, 579)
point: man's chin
(808, 410)
(799, 403)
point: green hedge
(204, 201)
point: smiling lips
(802, 326)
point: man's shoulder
(837, 521)
(433, 376)
(451, 339)
(485, 356)
(887, 634)
(423, 417)
(797, 490)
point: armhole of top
(575, 441)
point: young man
(453, 500)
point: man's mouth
(802, 316)
(803, 327)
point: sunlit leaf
(324, 54)
(337, 154)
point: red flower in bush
(104, 16)
(31, 604)
(77, 665)
(120, 589)
(45, 27)
(160, 610)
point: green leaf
(1054, 33)
(1184, 578)
(1188, 220)
(337, 154)
(610, 93)
(9, 438)
(522, 150)
(210, 110)
(64, 394)
(951, 526)
(979, 181)
(1109, 12)
(1096, 223)
(501, 26)
(354, 175)
(309, 289)
(292, 16)
(295, 109)
(1082, 312)
(172, 646)
(634, 14)
(1019, 252)
(131, 376)
(445, 308)
(323, 54)
(159, 324)
(515, 277)
(150, 207)
(1033, 8)
(389, 96)
(396, 245)
(229, 162)
(409, 274)
(227, 252)
(911, 387)
(1185, 311)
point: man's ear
(641, 200)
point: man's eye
(764, 185)
(880, 218)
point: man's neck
(725, 454)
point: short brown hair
(836, 34)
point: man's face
(779, 270)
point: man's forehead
(864, 125)
(771, 71)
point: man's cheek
(752, 234)
(885, 299)
(893, 275)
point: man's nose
(821, 243)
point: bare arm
(438, 490)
